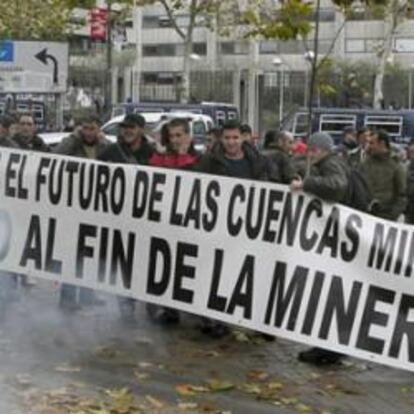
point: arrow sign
(43, 56)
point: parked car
(218, 111)
(111, 128)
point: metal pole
(305, 92)
(281, 95)
(410, 89)
(108, 83)
(138, 51)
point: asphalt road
(88, 362)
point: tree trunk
(185, 80)
(390, 23)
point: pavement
(88, 362)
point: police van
(399, 124)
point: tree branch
(172, 18)
(332, 45)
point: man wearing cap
(132, 148)
(5, 141)
(327, 178)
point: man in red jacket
(180, 154)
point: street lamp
(309, 56)
(278, 63)
(193, 57)
(410, 86)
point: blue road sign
(6, 52)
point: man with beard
(5, 141)
(385, 176)
(26, 137)
(87, 141)
(132, 148)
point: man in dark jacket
(409, 216)
(278, 150)
(328, 175)
(85, 142)
(234, 157)
(5, 140)
(386, 178)
(132, 148)
(327, 179)
(8, 282)
(26, 137)
(352, 148)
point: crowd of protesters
(317, 166)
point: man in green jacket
(327, 178)
(386, 178)
(87, 141)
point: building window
(268, 47)
(163, 49)
(200, 48)
(291, 47)
(404, 45)
(150, 22)
(234, 48)
(355, 46)
(227, 48)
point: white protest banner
(244, 252)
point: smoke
(37, 336)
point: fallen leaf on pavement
(256, 375)
(154, 401)
(250, 388)
(275, 386)
(190, 390)
(289, 401)
(185, 390)
(240, 336)
(187, 406)
(144, 364)
(107, 351)
(140, 375)
(67, 368)
(303, 408)
(217, 386)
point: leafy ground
(90, 363)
